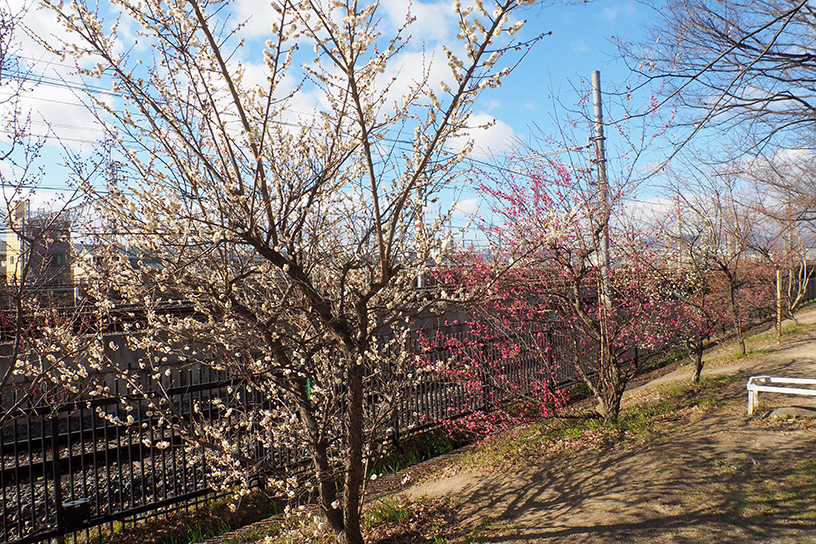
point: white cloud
(490, 136)
(434, 20)
(257, 17)
(49, 93)
(41, 21)
(491, 105)
(647, 212)
(39, 200)
(621, 10)
(792, 155)
(57, 112)
(410, 68)
(467, 208)
(610, 13)
(788, 162)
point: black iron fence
(74, 466)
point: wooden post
(778, 305)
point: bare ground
(713, 475)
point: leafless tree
(776, 187)
(737, 62)
(716, 232)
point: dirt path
(793, 358)
(717, 477)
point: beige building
(38, 248)
(14, 243)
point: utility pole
(603, 188)
(419, 226)
(607, 362)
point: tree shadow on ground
(713, 478)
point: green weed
(792, 329)
(578, 391)
(199, 533)
(206, 520)
(672, 357)
(414, 450)
(252, 536)
(789, 329)
(639, 423)
(385, 511)
(748, 353)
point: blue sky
(581, 41)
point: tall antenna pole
(607, 365)
(603, 187)
(113, 186)
(420, 231)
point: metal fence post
(395, 423)
(55, 473)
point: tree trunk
(609, 365)
(327, 482)
(737, 320)
(743, 351)
(698, 361)
(615, 387)
(612, 407)
(352, 533)
(611, 402)
(327, 486)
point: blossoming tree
(499, 349)
(541, 288)
(288, 237)
(553, 234)
(588, 271)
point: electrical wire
(400, 145)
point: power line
(42, 79)
(47, 136)
(50, 100)
(404, 145)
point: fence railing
(77, 465)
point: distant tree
(705, 311)
(548, 227)
(291, 237)
(777, 188)
(737, 62)
(691, 276)
(717, 229)
(745, 68)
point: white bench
(776, 385)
